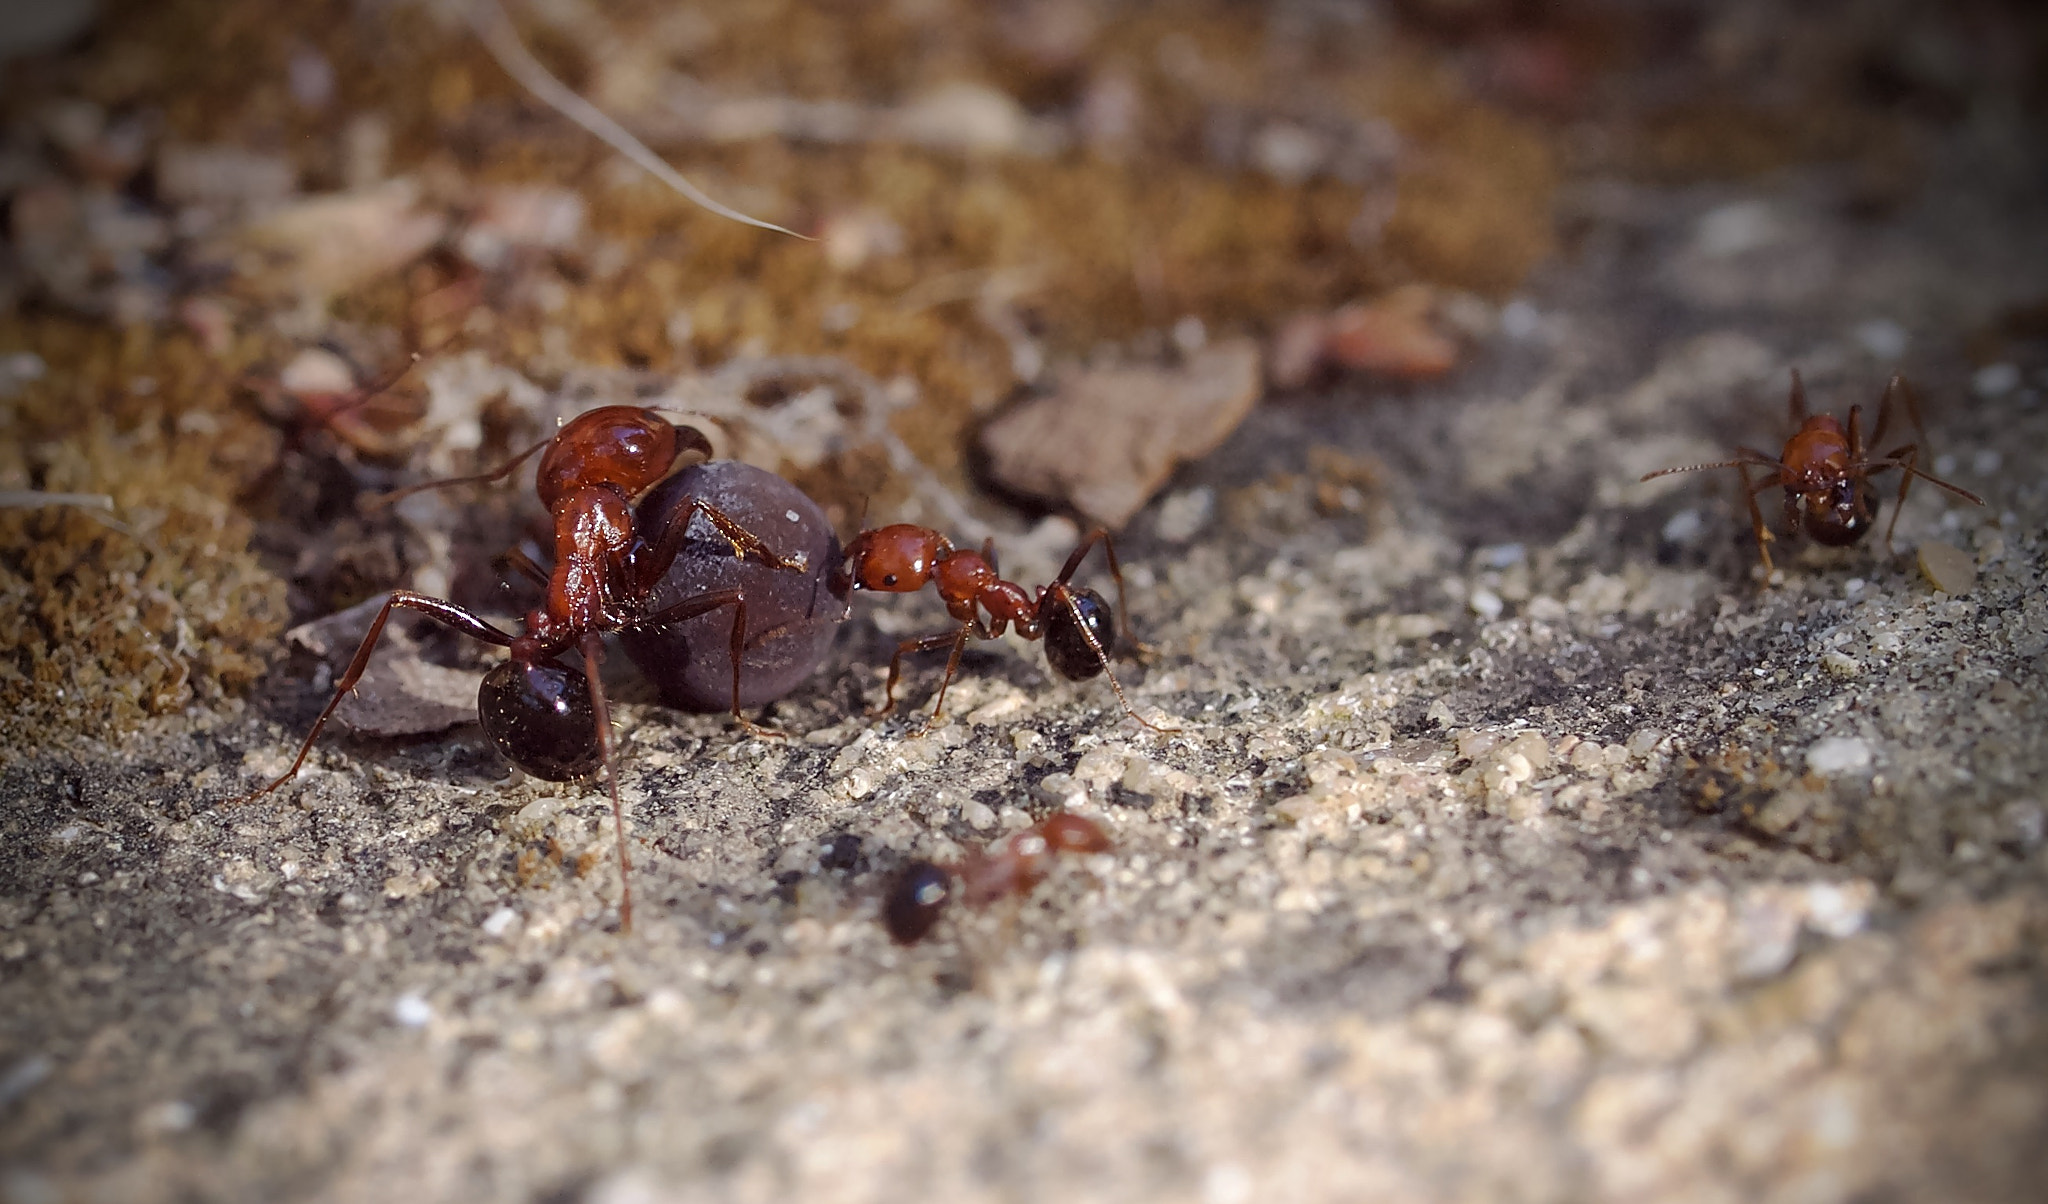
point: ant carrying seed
(1013, 866)
(792, 617)
(550, 718)
(1825, 473)
(1078, 627)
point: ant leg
(1756, 514)
(956, 639)
(1066, 599)
(592, 645)
(1906, 459)
(434, 608)
(518, 561)
(1123, 607)
(1795, 405)
(1899, 394)
(652, 567)
(952, 667)
(702, 604)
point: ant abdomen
(791, 617)
(540, 717)
(1067, 630)
(916, 900)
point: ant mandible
(1824, 473)
(1078, 627)
(547, 717)
(1014, 866)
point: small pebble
(1501, 555)
(1838, 910)
(1473, 745)
(1683, 528)
(1520, 321)
(1995, 380)
(1838, 756)
(1485, 603)
(412, 1011)
(1882, 338)
(1947, 567)
(1840, 665)
(1531, 747)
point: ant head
(539, 716)
(896, 559)
(629, 448)
(1841, 513)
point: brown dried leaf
(1106, 439)
(1394, 335)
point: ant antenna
(379, 501)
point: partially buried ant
(1078, 627)
(1825, 473)
(1013, 866)
(548, 717)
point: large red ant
(547, 717)
(1077, 626)
(1013, 866)
(1824, 472)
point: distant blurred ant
(1078, 627)
(1014, 866)
(364, 416)
(545, 716)
(1824, 473)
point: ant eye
(889, 581)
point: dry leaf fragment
(1392, 334)
(325, 245)
(1950, 569)
(1104, 440)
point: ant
(1014, 866)
(1078, 627)
(547, 717)
(1824, 470)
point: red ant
(545, 716)
(1013, 866)
(364, 415)
(1077, 626)
(1823, 471)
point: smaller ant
(1078, 627)
(1824, 472)
(546, 716)
(1014, 865)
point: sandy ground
(1514, 844)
